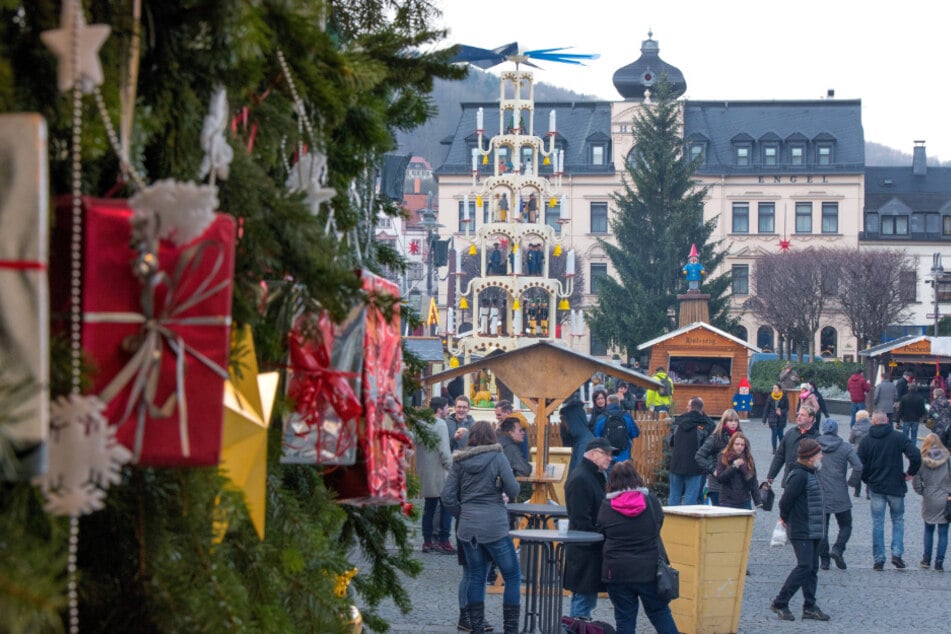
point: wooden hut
(703, 361)
(924, 356)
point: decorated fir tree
(174, 550)
(659, 214)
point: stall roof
(940, 346)
(428, 349)
(545, 370)
(694, 326)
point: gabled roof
(907, 340)
(928, 192)
(428, 349)
(694, 326)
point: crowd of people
(470, 474)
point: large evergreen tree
(363, 70)
(658, 215)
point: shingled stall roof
(719, 124)
(577, 121)
(428, 349)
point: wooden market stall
(703, 361)
(543, 375)
(923, 356)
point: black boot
(510, 619)
(477, 617)
(464, 624)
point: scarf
(776, 395)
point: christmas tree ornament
(85, 457)
(218, 154)
(472, 249)
(557, 250)
(24, 296)
(309, 176)
(76, 45)
(249, 400)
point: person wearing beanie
(800, 511)
(837, 455)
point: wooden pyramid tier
(694, 307)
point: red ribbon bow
(315, 383)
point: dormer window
(697, 151)
(770, 154)
(797, 154)
(599, 149)
(824, 154)
(598, 154)
(741, 154)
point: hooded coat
(631, 545)
(686, 440)
(933, 484)
(584, 491)
(882, 466)
(837, 455)
(473, 493)
(574, 430)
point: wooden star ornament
(91, 38)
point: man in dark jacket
(584, 491)
(787, 451)
(911, 409)
(689, 430)
(883, 471)
(800, 511)
(574, 429)
(458, 423)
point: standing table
(537, 515)
(543, 566)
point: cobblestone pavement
(858, 599)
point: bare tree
(791, 291)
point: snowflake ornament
(218, 154)
(184, 210)
(85, 458)
(309, 176)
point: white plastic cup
(563, 527)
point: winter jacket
(432, 465)
(473, 493)
(933, 483)
(885, 397)
(520, 466)
(574, 430)
(691, 430)
(737, 485)
(770, 417)
(631, 547)
(859, 431)
(709, 453)
(823, 409)
(654, 399)
(800, 507)
(882, 466)
(812, 401)
(633, 431)
(837, 455)
(787, 453)
(584, 491)
(911, 407)
(452, 425)
(858, 387)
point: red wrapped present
(379, 475)
(323, 385)
(161, 348)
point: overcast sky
(892, 56)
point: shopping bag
(779, 537)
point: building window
(599, 217)
(527, 153)
(894, 225)
(824, 154)
(770, 154)
(742, 155)
(908, 286)
(741, 279)
(597, 348)
(415, 272)
(598, 154)
(766, 218)
(803, 217)
(696, 151)
(946, 226)
(598, 270)
(830, 217)
(764, 338)
(467, 222)
(741, 217)
(552, 216)
(797, 154)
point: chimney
(919, 160)
(830, 94)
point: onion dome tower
(633, 80)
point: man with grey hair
(884, 473)
(787, 452)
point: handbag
(766, 496)
(668, 577)
(575, 625)
(930, 422)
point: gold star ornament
(88, 69)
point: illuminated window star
(91, 38)
(784, 245)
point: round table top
(549, 510)
(546, 535)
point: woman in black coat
(800, 510)
(776, 414)
(736, 474)
(630, 518)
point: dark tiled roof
(922, 193)
(576, 122)
(720, 122)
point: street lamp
(937, 274)
(428, 222)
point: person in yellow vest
(659, 400)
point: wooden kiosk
(924, 356)
(543, 375)
(703, 361)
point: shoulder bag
(668, 577)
